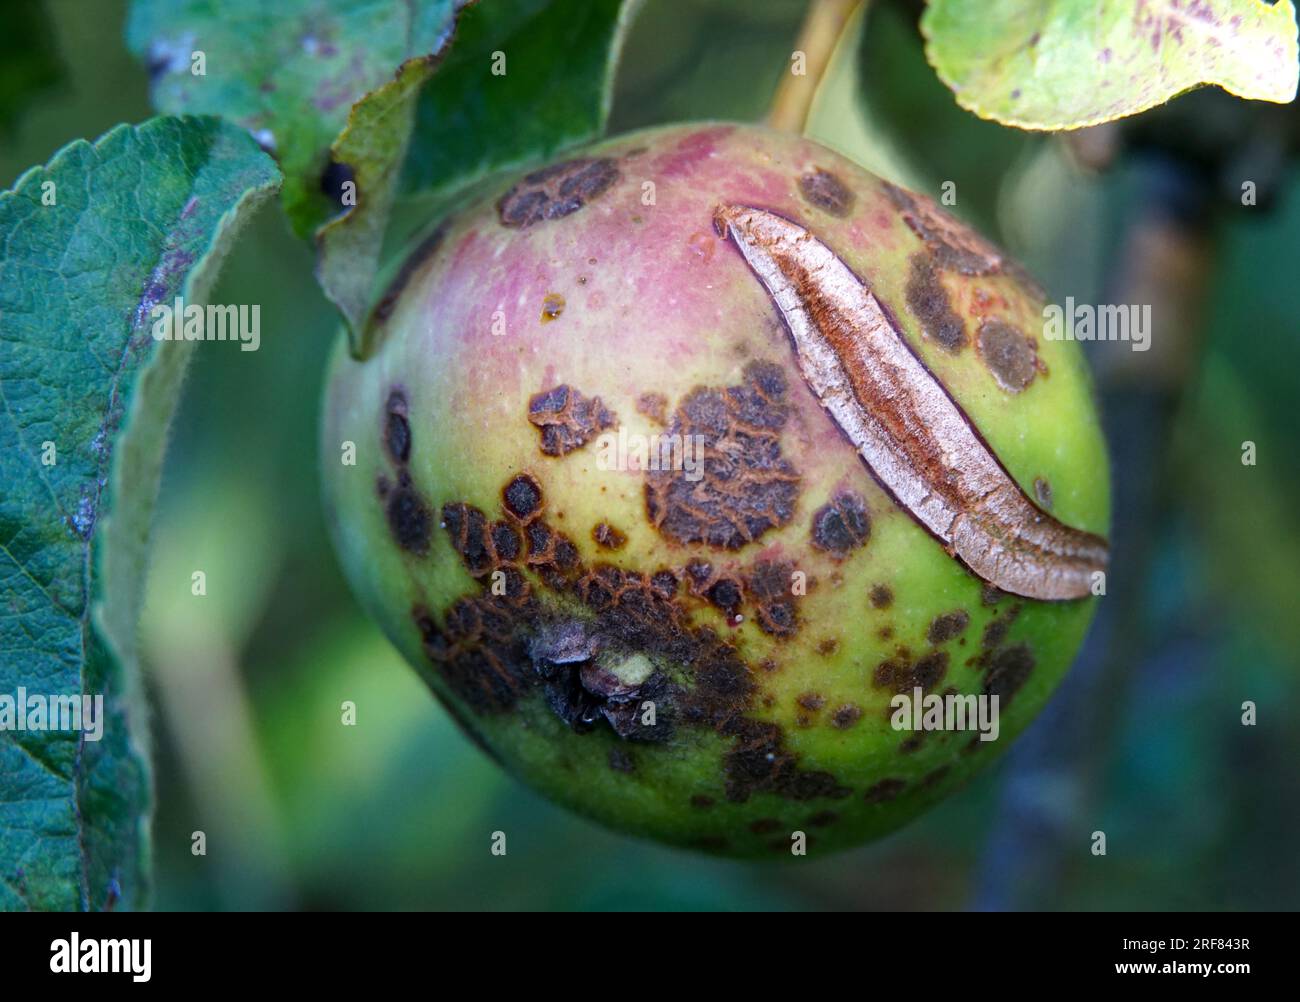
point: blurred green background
(1145, 741)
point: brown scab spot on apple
(928, 300)
(1010, 356)
(607, 537)
(478, 652)
(567, 420)
(1043, 492)
(841, 525)
(902, 674)
(846, 716)
(884, 791)
(654, 406)
(881, 596)
(523, 497)
(955, 246)
(409, 517)
(1008, 671)
(723, 591)
(468, 529)
(493, 649)
(947, 626)
(770, 585)
(826, 191)
(556, 191)
(397, 427)
(739, 484)
(759, 762)
(995, 631)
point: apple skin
(548, 588)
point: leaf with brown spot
(1067, 64)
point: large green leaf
(289, 71)
(1066, 64)
(522, 80)
(88, 246)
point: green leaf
(522, 80)
(1066, 64)
(289, 71)
(88, 246)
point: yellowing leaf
(1066, 64)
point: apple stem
(822, 27)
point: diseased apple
(679, 460)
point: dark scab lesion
(523, 497)
(884, 791)
(1009, 669)
(769, 584)
(745, 486)
(947, 626)
(881, 596)
(842, 525)
(567, 420)
(468, 529)
(1010, 356)
(397, 427)
(929, 303)
(588, 657)
(953, 244)
(556, 191)
(846, 716)
(410, 519)
(827, 192)
(902, 674)
(654, 406)
(760, 763)
(607, 537)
